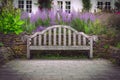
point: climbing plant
(86, 5)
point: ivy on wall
(86, 5)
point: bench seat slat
(59, 47)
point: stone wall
(104, 48)
(101, 47)
(114, 54)
(6, 54)
(15, 42)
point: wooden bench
(59, 37)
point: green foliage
(27, 26)
(111, 32)
(118, 45)
(45, 22)
(61, 22)
(1, 44)
(106, 46)
(88, 27)
(97, 28)
(10, 21)
(86, 5)
(80, 25)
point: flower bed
(85, 22)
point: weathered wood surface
(59, 37)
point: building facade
(65, 5)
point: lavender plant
(52, 17)
(24, 15)
(29, 25)
(85, 22)
(39, 28)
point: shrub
(10, 21)
(86, 5)
(29, 28)
(80, 25)
(1, 44)
(97, 28)
(114, 21)
(118, 45)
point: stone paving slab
(59, 70)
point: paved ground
(59, 70)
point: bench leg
(91, 48)
(28, 54)
(91, 54)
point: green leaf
(20, 22)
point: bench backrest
(59, 35)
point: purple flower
(43, 15)
(87, 16)
(40, 28)
(24, 15)
(33, 18)
(52, 17)
(74, 15)
(64, 16)
(37, 14)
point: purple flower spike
(40, 28)
(24, 15)
(52, 17)
(74, 15)
(43, 15)
(87, 16)
(33, 18)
